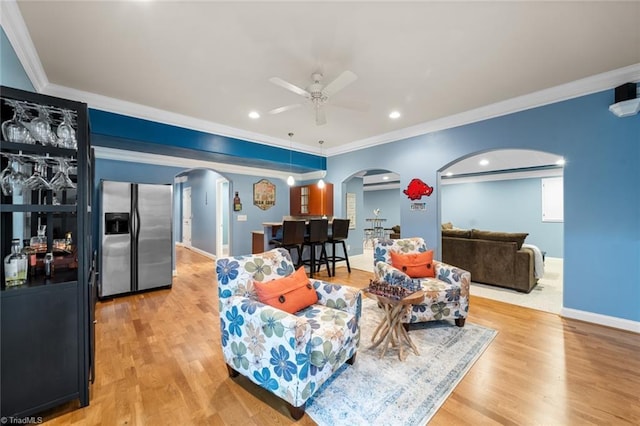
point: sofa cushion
(289, 294)
(416, 265)
(516, 237)
(457, 233)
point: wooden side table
(390, 331)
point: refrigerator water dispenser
(116, 223)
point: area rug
(387, 391)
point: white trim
(574, 89)
(501, 176)
(608, 321)
(380, 187)
(18, 35)
(202, 252)
(175, 272)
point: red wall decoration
(416, 189)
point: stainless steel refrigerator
(136, 252)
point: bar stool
(318, 236)
(339, 233)
(292, 238)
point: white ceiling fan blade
(291, 87)
(342, 81)
(284, 108)
(321, 117)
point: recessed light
(385, 177)
(560, 162)
(394, 115)
(484, 162)
(449, 174)
(254, 115)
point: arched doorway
(370, 194)
(510, 191)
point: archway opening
(372, 204)
(506, 192)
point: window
(552, 199)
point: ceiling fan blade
(321, 117)
(291, 87)
(284, 108)
(342, 81)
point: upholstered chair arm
(452, 274)
(342, 297)
(239, 313)
(387, 273)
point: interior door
(186, 216)
(222, 217)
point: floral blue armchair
(447, 295)
(291, 355)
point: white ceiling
(210, 62)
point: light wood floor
(159, 362)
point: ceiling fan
(317, 93)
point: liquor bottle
(15, 265)
(237, 205)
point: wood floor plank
(159, 362)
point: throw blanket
(538, 263)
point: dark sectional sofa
(495, 258)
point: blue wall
(602, 201)
(507, 206)
(203, 209)
(12, 73)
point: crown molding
(16, 30)
(574, 89)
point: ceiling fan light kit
(316, 93)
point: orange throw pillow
(416, 265)
(289, 294)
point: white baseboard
(621, 323)
(175, 272)
(197, 250)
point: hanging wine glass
(66, 133)
(36, 180)
(61, 180)
(17, 178)
(40, 127)
(4, 178)
(14, 130)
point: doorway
(505, 191)
(375, 203)
(187, 216)
(222, 217)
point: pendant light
(321, 182)
(290, 180)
